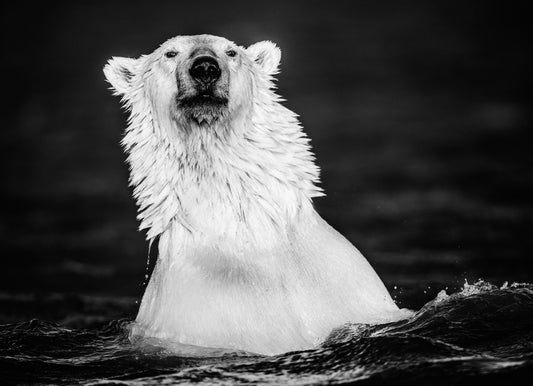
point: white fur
(244, 262)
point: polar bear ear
(119, 72)
(267, 55)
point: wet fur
(245, 262)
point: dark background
(418, 112)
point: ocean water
(481, 333)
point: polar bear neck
(260, 175)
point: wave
(481, 333)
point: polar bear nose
(205, 70)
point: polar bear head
(199, 80)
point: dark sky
(419, 113)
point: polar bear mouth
(202, 99)
(204, 108)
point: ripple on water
(481, 333)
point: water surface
(481, 333)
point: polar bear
(224, 178)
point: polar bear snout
(203, 81)
(205, 71)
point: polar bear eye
(231, 53)
(170, 54)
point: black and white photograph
(266, 193)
